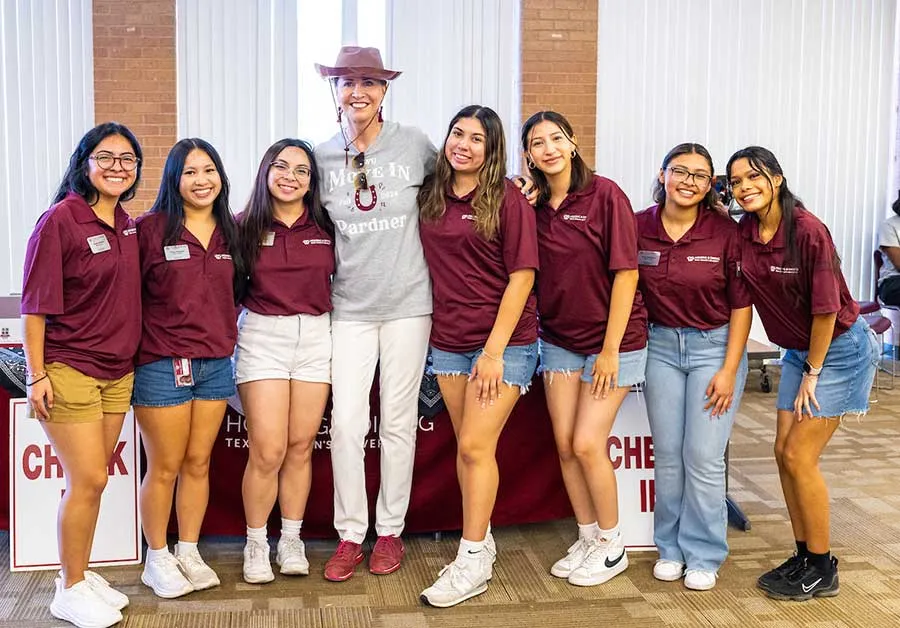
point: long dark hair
(76, 177)
(491, 187)
(687, 148)
(258, 214)
(896, 205)
(170, 203)
(581, 172)
(763, 161)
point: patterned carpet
(859, 466)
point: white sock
(157, 553)
(291, 527)
(184, 547)
(257, 534)
(588, 531)
(470, 550)
(610, 534)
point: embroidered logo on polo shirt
(222, 256)
(704, 258)
(783, 270)
(575, 217)
(468, 216)
(317, 241)
(129, 231)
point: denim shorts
(154, 383)
(846, 378)
(518, 364)
(554, 359)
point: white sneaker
(700, 579)
(605, 559)
(199, 574)
(491, 548)
(668, 570)
(291, 556)
(457, 582)
(163, 575)
(257, 568)
(575, 555)
(101, 587)
(81, 606)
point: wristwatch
(809, 369)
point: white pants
(401, 346)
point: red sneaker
(386, 555)
(343, 562)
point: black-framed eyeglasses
(107, 161)
(681, 174)
(300, 172)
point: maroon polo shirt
(292, 274)
(188, 304)
(84, 275)
(470, 274)
(693, 282)
(582, 245)
(787, 314)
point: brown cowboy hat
(358, 62)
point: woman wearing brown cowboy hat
(371, 172)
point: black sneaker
(785, 569)
(806, 582)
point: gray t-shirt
(380, 271)
(889, 235)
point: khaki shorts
(80, 398)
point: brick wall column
(559, 64)
(135, 82)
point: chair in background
(880, 324)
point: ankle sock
(822, 562)
(157, 553)
(802, 550)
(291, 527)
(184, 547)
(257, 534)
(588, 531)
(470, 549)
(609, 534)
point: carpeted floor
(860, 466)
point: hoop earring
(339, 111)
(574, 153)
(530, 164)
(380, 118)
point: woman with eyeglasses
(699, 312)
(283, 357)
(191, 270)
(479, 237)
(371, 171)
(81, 311)
(792, 269)
(593, 334)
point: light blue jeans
(690, 517)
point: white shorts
(283, 347)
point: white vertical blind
(812, 80)
(238, 85)
(46, 105)
(455, 53)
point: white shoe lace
(193, 561)
(291, 546)
(596, 552)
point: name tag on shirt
(176, 252)
(98, 243)
(648, 258)
(269, 239)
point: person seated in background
(889, 245)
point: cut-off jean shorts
(519, 363)
(555, 359)
(846, 378)
(154, 383)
